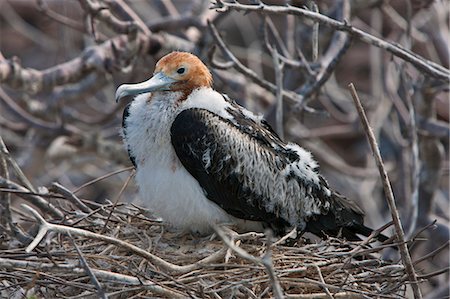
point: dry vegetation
(60, 152)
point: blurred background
(61, 61)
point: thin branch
(99, 11)
(45, 227)
(31, 120)
(43, 7)
(327, 291)
(278, 67)
(17, 170)
(122, 189)
(58, 188)
(89, 272)
(315, 35)
(248, 72)
(403, 248)
(419, 62)
(266, 261)
(106, 275)
(36, 200)
(100, 178)
(339, 45)
(103, 58)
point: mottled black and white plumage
(202, 159)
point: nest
(119, 252)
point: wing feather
(246, 170)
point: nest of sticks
(118, 251)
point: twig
(97, 10)
(27, 30)
(414, 150)
(419, 62)
(339, 45)
(315, 34)
(107, 275)
(43, 7)
(31, 120)
(278, 67)
(403, 248)
(102, 178)
(246, 71)
(435, 273)
(266, 261)
(58, 188)
(5, 198)
(433, 253)
(89, 272)
(340, 295)
(122, 6)
(117, 199)
(327, 291)
(290, 234)
(103, 58)
(17, 170)
(45, 227)
(36, 200)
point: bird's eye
(181, 70)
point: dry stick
(36, 200)
(172, 268)
(106, 275)
(117, 199)
(403, 248)
(327, 291)
(99, 11)
(5, 198)
(429, 67)
(278, 66)
(341, 295)
(432, 254)
(58, 188)
(241, 68)
(102, 178)
(315, 35)
(17, 170)
(92, 277)
(266, 261)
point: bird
(202, 160)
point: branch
(58, 188)
(245, 70)
(106, 275)
(104, 58)
(101, 12)
(89, 272)
(265, 261)
(45, 227)
(403, 248)
(429, 67)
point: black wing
(250, 173)
(203, 142)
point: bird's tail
(344, 219)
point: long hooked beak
(159, 82)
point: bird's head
(177, 71)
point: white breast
(165, 186)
